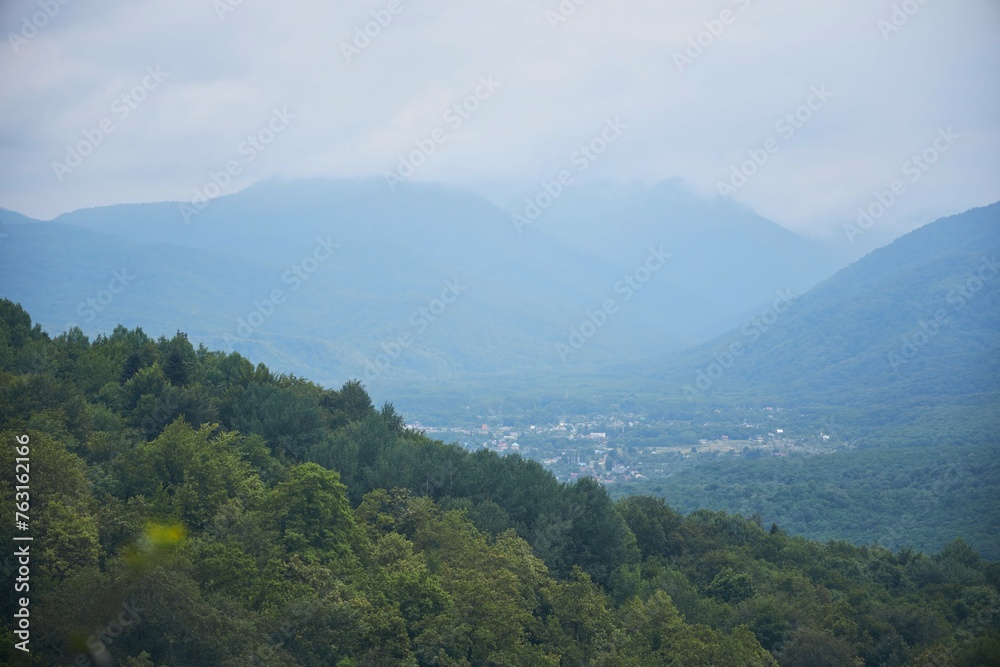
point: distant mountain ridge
(389, 255)
(707, 237)
(908, 335)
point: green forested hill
(188, 508)
(898, 497)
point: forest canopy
(190, 508)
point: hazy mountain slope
(13, 217)
(334, 322)
(387, 255)
(78, 277)
(910, 334)
(326, 325)
(730, 257)
(724, 258)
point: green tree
(655, 526)
(288, 415)
(312, 514)
(732, 587)
(187, 474)
(812, 648)
(179, 360)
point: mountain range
(908, 336)
(338, 279)
(651, 292)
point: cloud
(560, 81)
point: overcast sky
(226, 66)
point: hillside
(189, 508)
(905, 340)
(904, 496)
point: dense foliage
(189, 508)
(920, 497)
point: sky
(804, 111)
